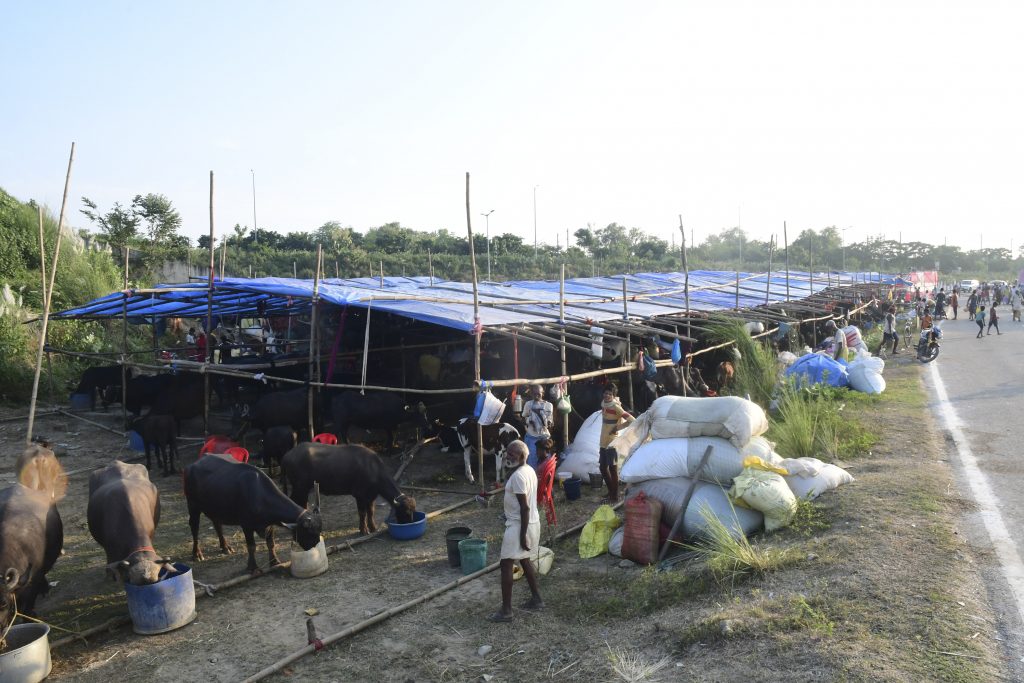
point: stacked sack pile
(864, 373)
(744, 483)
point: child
(612, 415)
(979, 318)
(993, 319)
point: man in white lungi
(522, 530)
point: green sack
(598, 531)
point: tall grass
(730, 556)
(757, 368)
(811, 422)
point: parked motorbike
(928, 345)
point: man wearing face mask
(522, 530)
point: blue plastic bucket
(82, 401)
(135, 442)
(165, 605)
(473, 555)
(573, 488)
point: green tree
(120, 225)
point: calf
(346, 470)
(282, 409)
(141, 392)
(496, 438)
(31, 537)
(238, 494)
(376, 410)
(158, 433)
(724, 374)
(276, 442)
(123, 513)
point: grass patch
(633, 667)
(797, 614)
(813, 422)
(731, 557)
(624, 595)
(809, 519)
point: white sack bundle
(729, 417)
(581, 457)
(810, 477)
(663, 458)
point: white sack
(729, 417)
(768, 493)
(753, 328)
(787, 358)
(581, 456)
(866, 380)
(810, 477)
(615, 542)
(663, 458)
(705, 496)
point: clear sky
(885, 116)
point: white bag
(729, 417)
(787, 358)
(581, 456)
(597, 342)
(768, 493)
(866, 380)
(664, 458)
(710, 497)
(810, 477)
(489, 408)
(615, 542)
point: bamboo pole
(42, 250)
(785, 240)
(629, 352)
(46, 302)
(477, 333)
(768, 279)
(223, 256)
(208, 352)
(430, 264)
(686, 289)
(737, 290)
(561, 316)
(313, 339)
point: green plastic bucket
(473, 554)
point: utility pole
(535, 221)
(255, 238)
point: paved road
(978, 388)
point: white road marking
(984, 496)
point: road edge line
(1002, 543)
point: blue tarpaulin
(450, 304)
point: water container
(165, 605)
(27, 657)
(596, 480)
(309, 563)
(136, 443)
(640, 541)
(83, 401)
(573, 488)
(473, 555)
(452, 537)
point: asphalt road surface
(977, 388)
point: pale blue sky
(885, 116)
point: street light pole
(535, 221)
(255, 238)
(487, 217)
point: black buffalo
(276, 442)
(238, 494)
(346, 470)
(31, 535)
(123, 513)
(282, 409)
(159, 433)
(104, 380)
(375, 410)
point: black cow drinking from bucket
(237, 494)
(346, 470)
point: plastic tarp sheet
(450, 304)
(817, 368)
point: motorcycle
(928, 345)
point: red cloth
(545, 487)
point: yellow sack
(598, 531)
(757, 463)
(766, 492)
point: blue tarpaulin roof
(450, 304)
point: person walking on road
(979, 318)
(993, 320)
(954, 301)
(1015, 305)
(972, 303)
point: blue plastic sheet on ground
(816, 368)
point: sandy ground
(879, 593)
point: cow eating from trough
(123, 513)
(464, 436)
(237, 494)
(346, 470)
(31, 532)
(376, 410)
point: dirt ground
(885, 589)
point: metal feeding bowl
(27, 656)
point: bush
(757, 369)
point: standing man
(889, 331)
(537, 414)
(522, 531)
(1015, 304)
(954, 301)
(613, 417)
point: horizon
(884, 119)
